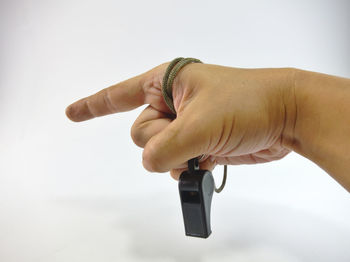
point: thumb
(180, 141)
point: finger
(180, 141)
(206, 165)
(148, 124)
(248, 159)
(124, 96)
(121, 97)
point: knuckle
(137, 136)
(90, 108)
(150, 160)
(108, 102)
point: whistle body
(196, 189)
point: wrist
(321, 128)
(289, 103)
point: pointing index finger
(121, 97)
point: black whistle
(196, 189)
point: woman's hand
(231, 116)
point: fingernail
(70, 112)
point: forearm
(321, 115)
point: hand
(231, 116)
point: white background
(78, 191)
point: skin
(232, 116)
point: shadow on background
(242, 231)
